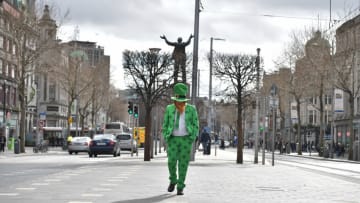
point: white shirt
(182, 127)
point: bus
(116, 128)
(56, 135)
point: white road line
(9, 194)
(109, 184)
(52, 180)
(120, 177)
(25, 188)
(102, 189)
(92, 195)
(78, 202)
(116, 180)
(40, 184)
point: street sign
(42, 115)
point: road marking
(52, 180)
(102, 189)
(40, 184)
(92, 195)
(116, 180)
(9, 194)
(109, 184)
(120, 177)
(25, 188)
(78, 202)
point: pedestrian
(69, 140)
(2, 142)
(180, 129)
(205, 141)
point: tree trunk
(240, 144)
(322, 130)
(22, 125)
(299, 140)
(147, 147)
(350, 124)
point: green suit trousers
(179, 149)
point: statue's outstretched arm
(167, 42)
(189, 40)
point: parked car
(79, 144)
(127, 142)
(104, 144)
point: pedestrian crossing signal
(136, 112)
(130, 108)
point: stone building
(10, 13)
(347, 71)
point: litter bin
(17, 146)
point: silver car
(125, 141)
(79, 144)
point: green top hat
(180, 91)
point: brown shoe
(180, 192)
(171, 187)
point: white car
(79, 144)
(127, 142)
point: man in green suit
(180, 129)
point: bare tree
(240, 73)
(145, 69)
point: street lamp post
(210, 83)
(154, 52)
(257, 105)
(273, 93)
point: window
(1, 42)
(312, 100)
(52, 91)
(45, 87)
(1, 66)
(14, 97)
(14, 49)
(1, 94)
(8, 45)
(327, 99)
(312, 117)
(6, 69)
(13, 69)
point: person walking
(205, 141)
(2, 142)
(180, 129)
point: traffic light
(136, 112)
(130, 108)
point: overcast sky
(137, 25)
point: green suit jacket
(191, 121)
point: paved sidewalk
(29, 151)
(219, 179)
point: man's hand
(191, 36)
(162, 37)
